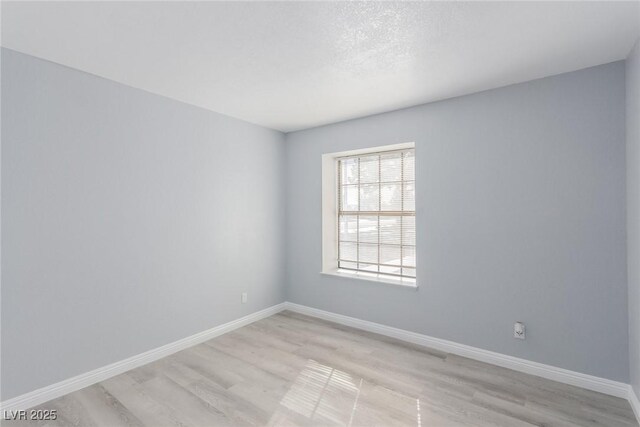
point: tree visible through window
(376, 213)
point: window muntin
(376, 213)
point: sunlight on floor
(325, 395)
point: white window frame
(330, 218)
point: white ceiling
(291, 66)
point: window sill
(372, 277)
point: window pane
(348, 251)
(390, 270)
(369, 197)
(349, 198)
(349, 171)
(408, 256)
(390, 230)
(411, 272)
(347, 264)
(368, 267)
(409, 203)
(368, 229)
(409, 230)
(409, 165)
(368, 253)
(348, 228)
(390, 255)
(391, 167)
(369, 168)
(391, 197)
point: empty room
(331, 213)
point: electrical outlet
(518, 330)
(243, 298)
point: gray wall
(633, 211)
(129, 221)
(521, 216)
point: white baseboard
(70, 385)
(589, 382)
(635, 403)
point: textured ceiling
(296, 65)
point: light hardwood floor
(290, 370)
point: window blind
(376, 213)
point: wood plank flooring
(294, 370)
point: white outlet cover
(519, 330)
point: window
(373, 209)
